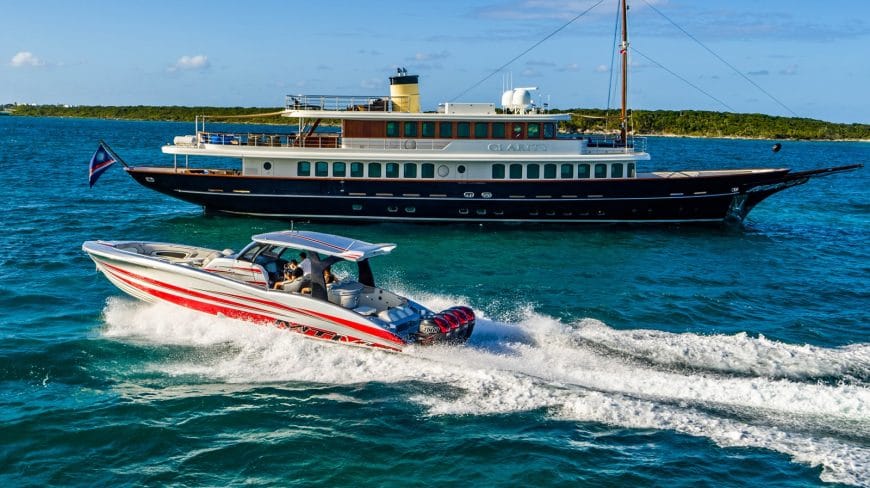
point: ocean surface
(606, 356)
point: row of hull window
(565, 171)
(515, 171)
(479, 130)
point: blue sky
(812, 56)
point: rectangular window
(445, 130)
(339, 169)
(392, 170)
(534, 131)
(550, 171)
(428, 170)
(533, 171)
(601, 170)
(498, 130)
(498, 171)
(616, 170)
(428, 129)
(321, 168)
(374, 170)
(356, 170)
(303, 168)
(410, 129)
(392, 129)
(481, 130)
(549, 130)
(583, 170)
(410, 170)
(567, 171)
(517, 131)
(631, 173)
(463, 129)
(516, 171)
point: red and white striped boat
(240, 285)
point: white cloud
(789, 70)
(431, 56)
(25, 58)
(191, 63)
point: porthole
(392, 209)
(357, 206)
(267, 166)
(410, 209)
(443, 171)
(460, 169)
(463, 211)
(481, 211)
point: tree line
(694, 123)
(699, 123)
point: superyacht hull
(684, 197)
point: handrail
(345, 103)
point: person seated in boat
(293, 280)
(328, 279)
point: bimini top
(331, 245)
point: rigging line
(612, 60)
(680, 77)
(756, 85)
(566, 24)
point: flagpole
(114, 154)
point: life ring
(410, 144)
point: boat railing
(606, 144)
(316, 140)
(346, 103)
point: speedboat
(351, 310)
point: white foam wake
(734, 390)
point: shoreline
(664, 135)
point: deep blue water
(608, 356)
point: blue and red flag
(99, 164)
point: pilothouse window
(428, 129)
(445, 130)
(392, 170)
(392, 129)
(303, 168)
(321, 168)
(374, 170)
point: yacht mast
(624, 52)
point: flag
(99, 164)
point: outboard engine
(453, 325)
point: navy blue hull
(711, 198)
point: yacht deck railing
(345, 103)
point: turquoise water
(614, 356)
